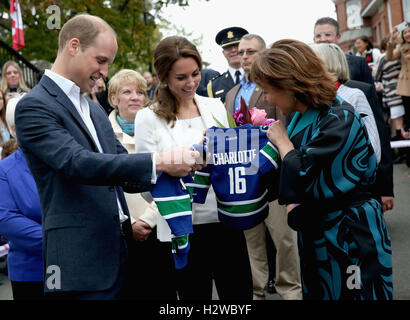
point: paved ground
(398, 223)
(5, 287)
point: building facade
(373, 18)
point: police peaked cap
(230, 36)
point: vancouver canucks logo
(263, 128)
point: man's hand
(140, 230)
(387, 203)
(178, 162)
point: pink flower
(269, 121)
(258, 116)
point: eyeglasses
(249, 52)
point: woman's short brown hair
(292, 65)
(167, 52)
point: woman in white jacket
(178, 117)
(366, 50)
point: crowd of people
(82, 152)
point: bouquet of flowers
(255, 116)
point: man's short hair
(251, 36)
(84, 27)
(328, 20)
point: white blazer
(153, 134)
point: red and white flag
(17, 25)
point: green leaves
(218, 123)
(136, 22)
(231, 121)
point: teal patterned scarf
(126, 126)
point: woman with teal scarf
(327, 166)
(127, 94)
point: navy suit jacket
(218, 87)
(77, 186)
(359, 69)
(383, 185)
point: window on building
(354, 19)
(406, 10)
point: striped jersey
(238, 163)
(173, 200)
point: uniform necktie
(237, 76)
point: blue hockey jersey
(239, 160)
(173, 200)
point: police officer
(228, 39)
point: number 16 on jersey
(237, 182)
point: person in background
(4, 129)
(99, 94)
(366, 50)
(8, 148)
(327, 165)
(12, 81)
(228, 39)
(387, 76)
(150, 84)
(366, 103)
(207, 74)
(398, 47)
(155, 80)
(336, 64)
(20, 222)
(98, 88)
(178, 117)
(287, 280)
(327, 30)
(127, 94)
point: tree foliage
(136, 22)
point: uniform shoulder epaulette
(217, 76)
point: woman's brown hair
(167, 52)
(293, 66)
(3, 112)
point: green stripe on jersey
(242, 209)
(271, 151)
(179, 242)
(174, 206)
(201, 179)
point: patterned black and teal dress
(344, 245)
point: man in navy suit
(80, 169)
(327, 30)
